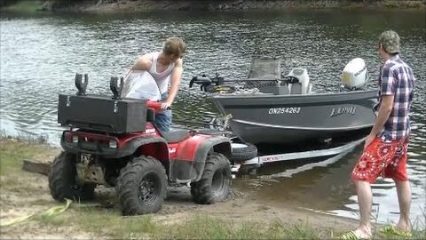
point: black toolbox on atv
(102, 113)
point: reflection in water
(39, 57)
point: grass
(24, 6)
(14, 151)
(196, 227)
(106, 221)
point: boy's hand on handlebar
(165, 105)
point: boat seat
(282, 90)
(309, 88)
(174, 136)
(264, 71)
(276, 90)
(295, 88)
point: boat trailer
(258, 161)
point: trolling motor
(211, 85)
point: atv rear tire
(215, 183)
(63, 180)
(142, 186)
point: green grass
(12, 155)
(25, 6)
(110, 223)
(13, 152)
(105, 222)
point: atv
(112, 141)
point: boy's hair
(174, 46)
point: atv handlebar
(154, 105)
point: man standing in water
(385, 149)
(160, 68)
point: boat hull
(292, 119)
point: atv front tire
(215, 183)
(63, 182)
(142, 186)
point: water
(40, 56)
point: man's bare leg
(365, 201)
(404, 198)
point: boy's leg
(163, 120)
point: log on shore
(36, 167)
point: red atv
(112, 141)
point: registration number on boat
(285, 110)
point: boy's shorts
(163, 120)
(385, 158)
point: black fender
(184, 170)
(134, 145)
(127, 150)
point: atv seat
(174, 136)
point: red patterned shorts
(386, 159)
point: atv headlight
(74, 139)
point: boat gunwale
(340, 129)
(310, 95)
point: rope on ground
(49, 212)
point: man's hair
(390, 42)
(174, 46)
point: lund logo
(342, 110)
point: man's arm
(175, 82)
(385, 109)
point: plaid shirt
(397, 79)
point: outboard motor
(299, 81)
(355, 74)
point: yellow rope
(49, 212)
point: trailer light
(74, 139)
(113, 144)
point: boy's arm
(175, 82)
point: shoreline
(231, 219)
(120, 6)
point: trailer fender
(190, 162)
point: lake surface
(39, 56)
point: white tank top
(163, 78)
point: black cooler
(102, 113)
